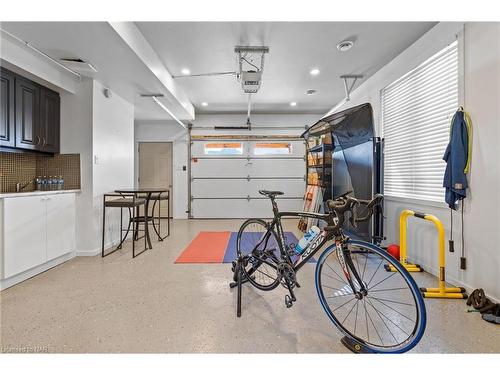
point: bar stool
(156, 220)
(131, 202)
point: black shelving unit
(319, 172)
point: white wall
(170, 131)
(482, 210)
(113, 154)
(76, 137)
(93, 125)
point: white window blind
(416, 114)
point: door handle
(37, 140)
(43, 141)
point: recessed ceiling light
(293, 104)
(311, 92)
(185, 71)
(314, 72)
(345, 45)
(204, 104)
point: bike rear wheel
(260, 248)
(391, 318)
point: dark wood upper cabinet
(29, 115)
(7, 108)
(49, 125)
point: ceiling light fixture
(204, 104)
(311, 92)
(345, 45)
(314, 71)
(293, 104)
(185, 71)
(155, 98)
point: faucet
(21, 185)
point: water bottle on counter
(305, 241)
(38, 183)
(60, 183)
(44, 183)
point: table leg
(146, 220)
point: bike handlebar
(346, 203)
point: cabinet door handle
(43, 141)
(37, 140)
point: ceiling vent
(79, 65)
(345, 45)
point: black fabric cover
(353, 156)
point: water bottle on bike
(305, 241)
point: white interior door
(227, 174)
(155, 168)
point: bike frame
(314, 247)
(311, 249)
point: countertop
(37, 192)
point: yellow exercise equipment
(441, 291)
(403, 259)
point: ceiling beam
(174, 97)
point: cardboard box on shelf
(325, 159)
(312, 178)
(326, 138)
(312, 142)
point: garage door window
(223, 148)
(416, 114)
(282, 148)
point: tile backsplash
(16, 168)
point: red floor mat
(206, 247)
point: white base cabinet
(60, 225)
(36, 230)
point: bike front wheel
(390, 318)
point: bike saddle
(270, 193)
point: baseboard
(88, 253)
(94, 252)
(28, 274)
(450, 280)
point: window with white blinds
(416, 114)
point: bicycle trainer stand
(239, 280)
(355, 346)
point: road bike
(376, 311)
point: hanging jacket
(457, 158)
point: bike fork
(345, 260)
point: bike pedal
(288, 301)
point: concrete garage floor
(150, 304)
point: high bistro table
(147, 193)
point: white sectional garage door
(227, 174)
